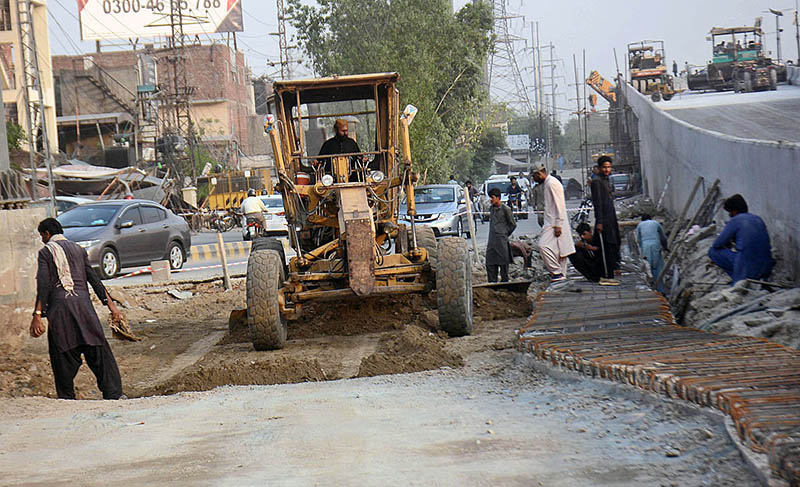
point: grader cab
(342, 211)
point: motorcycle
(582, 215)
(221, 221)
(253, 229)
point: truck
(647, 70)
(738, 62)
(342, 211)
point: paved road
(491, 424)
(198, 270)
(767, 115)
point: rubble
(701, 296)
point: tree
(440, 57)
(598, 134)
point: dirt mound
(218, 371)
(492, 304)
(360, 316)
(410, 350)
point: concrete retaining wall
(19, 246)
(793, 75)
(766, 173)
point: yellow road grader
(342, 211)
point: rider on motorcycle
(514, 192)
(253, 207)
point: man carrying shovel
(62, 283)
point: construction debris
(121, 330)
(703, 297)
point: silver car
(125, 233)
(441, 207)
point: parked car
(275, 217)
(63, 203)
(125, 233)
(502, 183)
(441, 207)
(620, 183)
(572, 188)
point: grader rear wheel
(454, 287)
(264, 280)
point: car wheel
(109, 263)
(176, 256)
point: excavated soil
(410, 350)
(187, 345)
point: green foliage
(439, 55)
(15, 135)
(598, 130)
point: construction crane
(602, 86)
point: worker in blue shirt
(751, 257)
(651, 238)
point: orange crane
(602, 86)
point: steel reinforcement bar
(626, 334)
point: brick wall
(215, 71)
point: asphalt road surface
(765, 115)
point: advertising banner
(126, 19)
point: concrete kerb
(232, 249)
(758, 463)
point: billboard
(125, 19)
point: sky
(571, 25)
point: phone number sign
(125, 19)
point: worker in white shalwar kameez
(555, 241)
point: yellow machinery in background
(228, 189)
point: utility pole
(180, 123)
(539, 87)
(579, 113)
(283, 44)
(778, 14)
(797, 29)
(34, 108)
(504, 71)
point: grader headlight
(377, 176)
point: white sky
(571, 25)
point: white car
(275, 217)
(64, 203)
(502, 183)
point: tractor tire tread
(454, 287)
(264, 278)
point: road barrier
(232, 249)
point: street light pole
(778, 14)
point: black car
(125, 233)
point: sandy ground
(490, 423)
(365, 393)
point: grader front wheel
(454, 287)
(264, 280)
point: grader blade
(355, 218)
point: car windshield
(619, 178)
(433, 195)
(273, 202)
(500, 185)
(88, 216)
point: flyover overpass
(749, 141)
